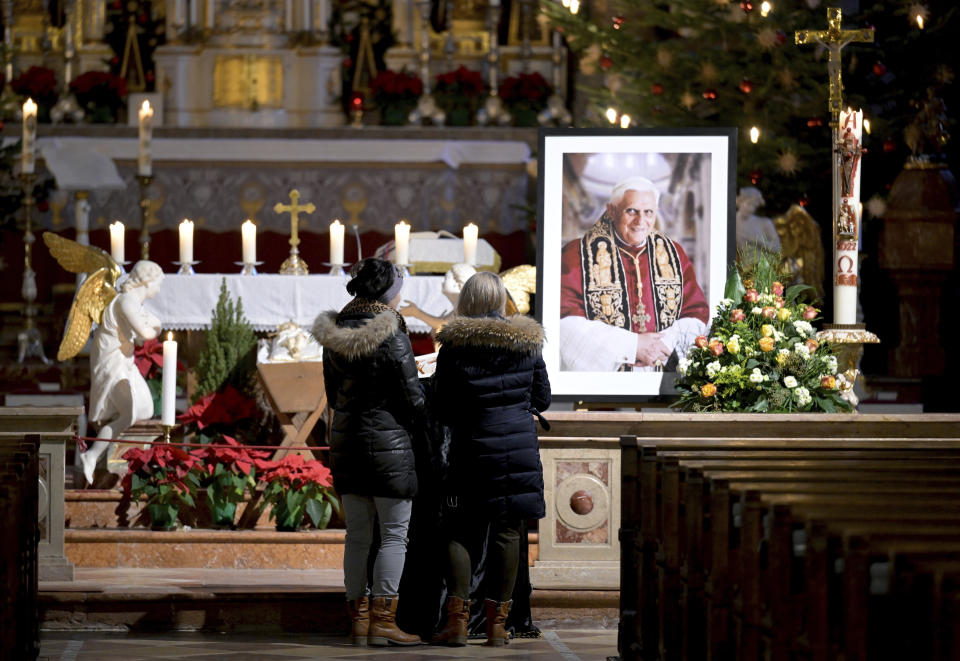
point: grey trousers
(361, 512)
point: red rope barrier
(84, 439)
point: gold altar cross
(834, 38)
(293, 265)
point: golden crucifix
(834, 38)
(293, 265)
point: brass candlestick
(29, 341)
(493, 111)
(427, 109)
(167, 432)
(847, 340)
(145, 213)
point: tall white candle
(144, 165)
(470, 244)
(116, 242)
(210, 14)
(248, 233)
(401, 238)
(288, 15)
(306, 17)
(847, 219)
(169, 399)
(193, 7)
(28, 147)
(336, 242)
(186, 241)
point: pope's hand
(650, 350)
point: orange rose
(708, 390)
(778, 302)
(810, 313)
(812, 345)
(777, 288)
(736, 315)
(716, 348)
(829, 382)
(701, 341)
(769, 312)
(766, 344)
(751, 296)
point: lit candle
(847, 219)
(470, 244)
(186, 241)
(401, 239)
(169, 399)
(27, 156)
(336, 242)
(144, 167)
(116, 242)
(248, 232)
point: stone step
(212, 549)
(110, 508)
(231, 600)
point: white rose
(790, 381)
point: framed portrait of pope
(635, 239)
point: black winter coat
(371, 382)
(490, 381)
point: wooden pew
(707, 573)
(19, 621)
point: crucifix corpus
(846, 127)
(294, 265)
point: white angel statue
(119, 395)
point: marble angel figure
(119, 395)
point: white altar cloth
(187, 302)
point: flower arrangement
(296, 487)
(395, 94)
(39, 84)
(167, 476)
(525, 95)
(459, 93)
(101, 94)
(226, 473)
(761, 354)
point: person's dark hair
(371, 278)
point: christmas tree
(723, 63)
(228, 355)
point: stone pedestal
(916, 248)
(579, 548)
(56, 426)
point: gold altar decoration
(131, 69)
(834, 38)
(520, 281)
(294, 265)
(248, 81)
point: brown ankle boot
(496, 612)
(383, 625)
(360, 614)
(454, 634)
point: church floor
(565, 644)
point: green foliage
(228, 356)
(290, 504)
(762, 354)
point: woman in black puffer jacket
(373, 388)
(490, 382)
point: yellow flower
(708, 390)
(766, 344)
(781, 358)
(829, 382)
(784, 314)
(733, 346)
(766, 330)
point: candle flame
(402, 221)
(336, 221)
(754, 134)
(866, 126)
(169, 336)
(625, 121)
(574, 6)
(920, 21)
(765, 8)
(29, 107)
(611, 115)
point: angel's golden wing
(520, 281)
(88, 306)
(801, 247)
(78, 258)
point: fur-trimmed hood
(518, 333)
(354, 342)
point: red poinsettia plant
(295, 487)
(462, 82)
(227, 469)
(39, 84)
(395, 87)
(526, 90)
(100, 93)
(167, 475)
(224, 406)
